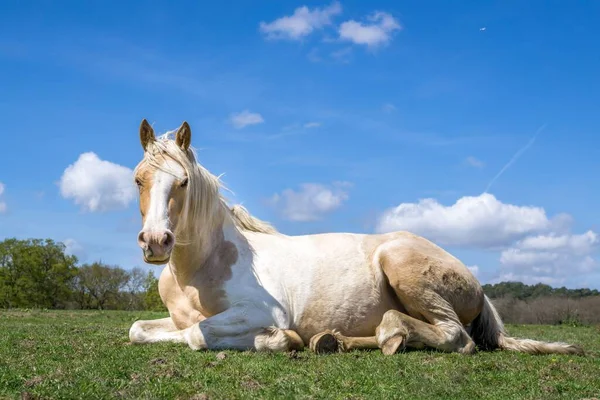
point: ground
(86, 354)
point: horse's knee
(391, 333)
(391, 321)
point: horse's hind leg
(332, 341)
(425, 278)
(396, 332)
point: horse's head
(164, 178)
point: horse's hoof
(324, 342)
(392, 345)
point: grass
(86, 354)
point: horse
(232, 281)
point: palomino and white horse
(232, 281)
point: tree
(102, 283)
(35, 273)
(152, 300)
(135, 288)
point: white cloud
(473, 162)
(532, 247)
(579, 244)
(312, 201)
(377, 31)
(514, 256)
(551, 257)
(3, 206)
(309, 125)
(300, 24)
(533, 267)
(97, 185)
(245, 118)
(473, 221)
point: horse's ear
(183, 137)
(146, 134)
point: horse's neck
(187, 259)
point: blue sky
(324, 116)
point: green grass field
(86, 355)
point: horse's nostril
(142, 241)
(167, 240)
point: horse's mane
(244, 220)
(202, 184)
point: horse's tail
(487, 330)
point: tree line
(518, 303)
(521, 291)
(38, 273)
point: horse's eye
(184, 183)
(138, 183)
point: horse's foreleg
(241, 328)
(156, 330)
